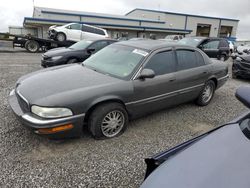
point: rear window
(92, 30)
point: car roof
(151, 45)
(99, 39)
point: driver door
(155, 93)
(74, 32)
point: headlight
(51, 112)
(56, 57)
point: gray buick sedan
(122, 81)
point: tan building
(137, 23)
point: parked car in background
(241, 65)
(212, 46)
(173, 38)
(76, 32)
(78, 52)
(122, 81)
(218, 158)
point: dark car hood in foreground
(54, 86)
(219, 160)
(57, 52)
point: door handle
(172, 79)
(205, 72)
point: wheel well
(215, 81)
(90, 110)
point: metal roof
(182, 14)
(93, 15)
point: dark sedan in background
(214, 47)
(78, 52)
(217, 159)
(122, 81)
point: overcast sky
(12, 12)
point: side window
(162, 63)
(199, 59)
(211, 44)
(224, 43)
(99, 31)
(99, 45)
(186, 59)
(75, 26)
(87, 29)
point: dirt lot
(28, 160)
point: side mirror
(243, 95)
(201, 47)
(147, 73)
(90, 50)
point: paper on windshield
(140, 52)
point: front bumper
(51, 63)
(35, 123)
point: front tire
(206, 94)
(108, 120)
(60, 37)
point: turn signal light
(54, 129)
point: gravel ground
(28, 160)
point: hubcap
(60, 37)
(112, 123)
(207, 93)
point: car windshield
(190, 41)
(116, 60)
(80, 45)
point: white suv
(76, 32)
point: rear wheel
(222, 58)
(60, 37)
(32, 46)
(206, 94)
(108, 120)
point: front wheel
(108, 120)
(60, 37)
(206, 94)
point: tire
(60, 37)
(102, 118)
(206, 94)
(222, 58)
(73, 60)
(32, 46)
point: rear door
(211, 48)
(192, 73)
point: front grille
(23, 102)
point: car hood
(57, 52)
(46, 86)
(218, 160)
